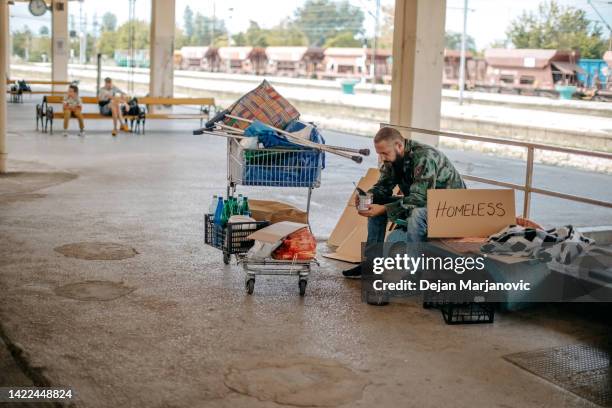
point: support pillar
(4, 11)
(161, 74)
(9, 48)
(418, 61)
(60, 39)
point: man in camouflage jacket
(415, 168)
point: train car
(200, 58)
(595, 73)
(294, 61)
(530, 71)
(243, 60)
(355, 63)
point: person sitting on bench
(111, 99)
(73, 108)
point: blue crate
(279, 167)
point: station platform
(170, 325)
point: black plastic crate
(461, 312)
(231, 239)
(468, 313)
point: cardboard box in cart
(276, 211)
(271, 237)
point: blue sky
(487, 19)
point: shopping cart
(278, 167)
(274, 267)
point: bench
(45, 113)
(17, 95)
(39, 82)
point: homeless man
(415, 168)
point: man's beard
(399, 158)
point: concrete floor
(184, 333)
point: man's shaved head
(388, 134)
(389, 144)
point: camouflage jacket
(424, 168)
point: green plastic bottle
(245, 207)
(226, 214)
(233, 206)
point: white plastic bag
(262, 250)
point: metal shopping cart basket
(274, 267)
(276, 167)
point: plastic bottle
(233, 206)
(245, 207)
(239, 204)
(217, 221)
(227, 212)
(218, 210)
(213, 205)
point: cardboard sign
(469, 212)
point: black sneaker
(353, 273)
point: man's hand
(373, 210)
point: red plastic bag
(299, 245)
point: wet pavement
(171, 326)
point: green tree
(239, 39)
(323, 19)
(109, 22)
(43, 31)
(343, 39)
(22, 40)
(452, 41)
(255, 36)
(285, 34)
(557, 27)
(385, 39)
(188, 22)
(141, 35)
(203, 29)
(40, 46)
(107, 43)
(180, 39)
(498, 44)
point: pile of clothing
(563, 249)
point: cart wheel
(226, 258)
(250, 286)
(303, 287)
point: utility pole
(462, 59)
(82, 36)
(212, 24)
(375, 45)
(4, 34)
(229, 22)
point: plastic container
(348, 86)
(464, 313)
(364, 201)
(565, 91)
(231, 239)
